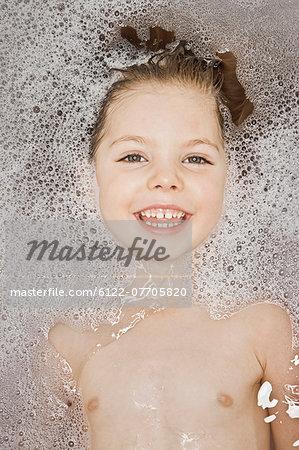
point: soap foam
(56, 59)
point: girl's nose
(165, 178)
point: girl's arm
(282, 373)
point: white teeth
(163, 225)
(153, 224)
(162, 214)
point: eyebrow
(201, 141)
(141, 140)
(138, 139)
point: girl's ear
(233, 92)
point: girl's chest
(173, 363)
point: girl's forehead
(152, 102)
(171, 90)
(159, 114)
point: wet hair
(179, 66)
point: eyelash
(205, 161)
(131, 154)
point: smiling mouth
(162, 218)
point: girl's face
(161, 160)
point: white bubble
(56, 61)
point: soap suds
(144, 405)
(270, 418)
(56, 59)
(293, 407)
(295, 361)
(264, 396)
(292, 400)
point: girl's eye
(196, 160)
(133, 157)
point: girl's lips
(162, 206)
(163, 225)
(163, 230)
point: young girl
(177, 379)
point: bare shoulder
(74, 346)
(275, 327)
(61, 336)
(270, 328)
(266, 316)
